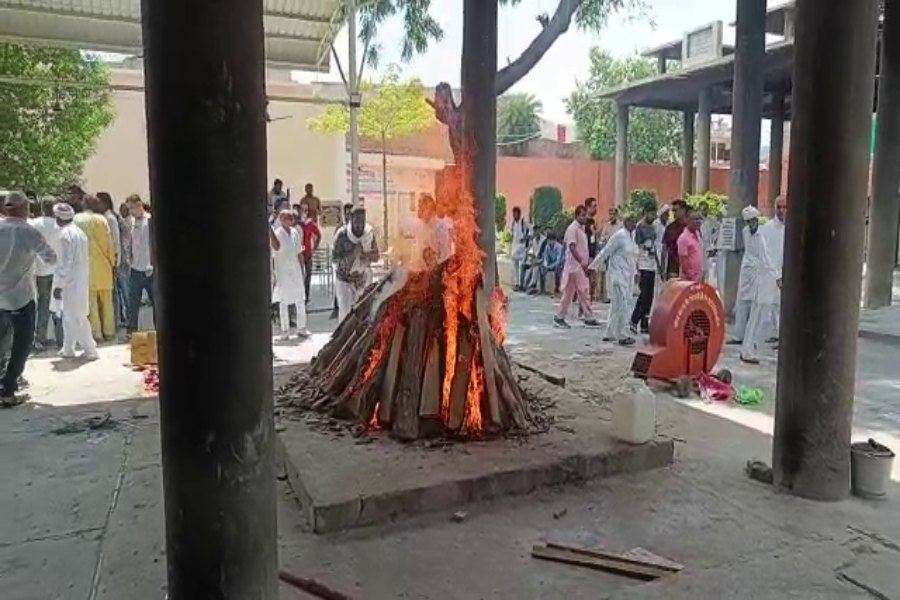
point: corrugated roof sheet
(298, 32)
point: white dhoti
(77, 332)
(758, 324)
(619, 295)
(347, 294)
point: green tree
(654, 136)
(546, 204)
(391, 109)
(518, 122)
(51, 117)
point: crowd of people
(676, 241)
(73, 262)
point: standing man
(309, 230)
(670, 239)
(141, 275)
(346, 211)
(759, 289)
(20, 245)
(610, 228)
(277, 193)
(752, 266)
(312, 201)
(520, 233)
(103, 262)
(773, 232)
(690, 249)
(46, 224)
(287, 246)
(648, 267)
(71, 285)
(619, 254)
(355, 249)
(575, 282)
(116, 227)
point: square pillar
(621, 193)
(687, 154)
(704, 125)
(776, 147)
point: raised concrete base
(342, 484)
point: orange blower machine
(687, 330)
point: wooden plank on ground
(637, 556)
(552, 378)
(600, 564)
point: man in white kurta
(287, 260)
(619, 255)
(70, 286)
(773, 232)
(758, 287)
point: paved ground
(84, 518)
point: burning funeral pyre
(421, 353)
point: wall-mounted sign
(728, 234)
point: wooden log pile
(386, 365)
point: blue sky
(555, 76)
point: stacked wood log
(385, 365)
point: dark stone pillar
(687, 154)
(884, 214)
(747, 94)
(830, 135)
(776, 147)
(704, 124)
(205, 95)
(479, 74)
(621, 191)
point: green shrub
(546, 204)
(560, 222)
(638, 202)
(500, 211)
(504, 240)
(710, 201)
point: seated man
(551, 262)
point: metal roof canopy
(298, 33)
(680, 89)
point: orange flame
(472, 423)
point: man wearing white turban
(757, 289)
(70, 285)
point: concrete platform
(342, 484)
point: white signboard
(728, 234)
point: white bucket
(870, 469)
(634, 413)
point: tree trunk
(479, 122)
(384, 191)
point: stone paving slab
(342, 484)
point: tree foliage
(390, 109)
(640, 201)
(654, 136)
(47, 132)
(518, 122)
(546, 204)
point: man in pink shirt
(575, 280)
(690, 249)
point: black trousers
(139, 281)
(307, 274)
(19, 323)
(641, 313)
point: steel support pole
(206, 125)
(354, 100)
(833, 89)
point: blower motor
(687, 331)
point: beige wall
(295, 154)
